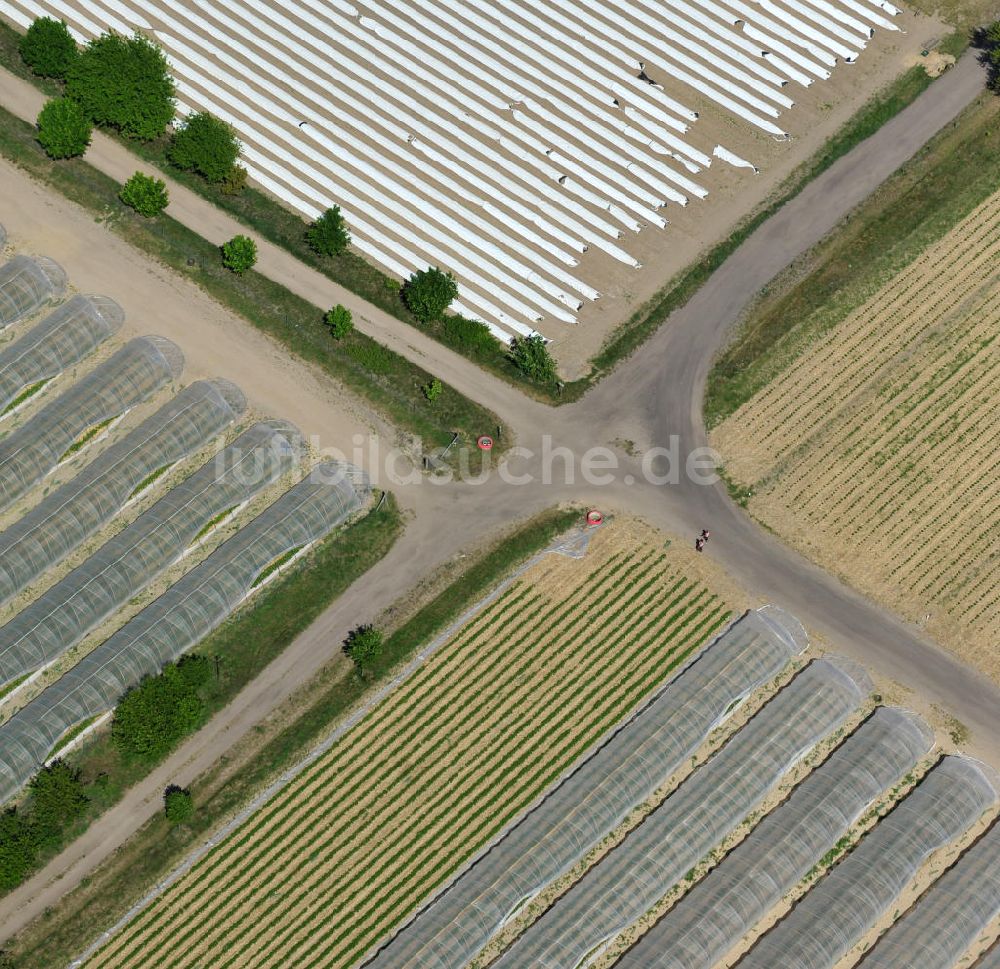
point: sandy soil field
(470, 740)
(876, 453)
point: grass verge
(284, 228)
(244, 645)
(919, 204)
(100, 900)
(386, 380)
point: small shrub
(340, 321)
(987, 39)
(329, 235)
(48, 48)
(239, 254)
(235, 181)
(207, 145)
(123, 83)
(63, 129)
(146, 194)
(178, 805)
(428, 293)
(363, 645)
(531, 356)
(433, 390)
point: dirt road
(651, 397)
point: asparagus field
(357, 841)
(877, 451)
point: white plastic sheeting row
(597, 796)
(497, 139)
(178, 619)
(732, 898)
(677, 835)
(844, 905)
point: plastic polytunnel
(61, 521)
(180, 618)
(701, 813)
(63, 338)
(3, 237)
(991, 960)
(26, 284)
(735, 895)
(129, 561)
(597, 795)
(844, 905)
(957, 908)
(132, 375)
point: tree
(433, 390)
(178, 805)
(988, 40)
(63, 129)
(57, 799)
(235, 181)
(428, 293)
(161, 710)
(18, 848)
(48, 48)
(531, 356)
(123, 83)
(239, 254)
(146, 194)
(363, 645)
(329, 235)
(205, 144)
(340, 321)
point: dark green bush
(206, 145)
(48, 48)
(63, 129)
(146, 194)
(239, 254)
(155, 715)
(178, 805)
(428, 293)
(531, 356)
(123, 83)
(329, 235)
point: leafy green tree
(988, 41)
(363, 645)
(239, 254)
(123, 83)
(428, 293)
(18, 848)
(48, 48)
(63, 129)
(340, 321)
(156, 714)
(329, 235)
(205, 144)
(57, 800)
(531, 356)
(433, 390)
(146, 194)
(178, 805)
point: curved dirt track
(655, 394)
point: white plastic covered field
(499, 139)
